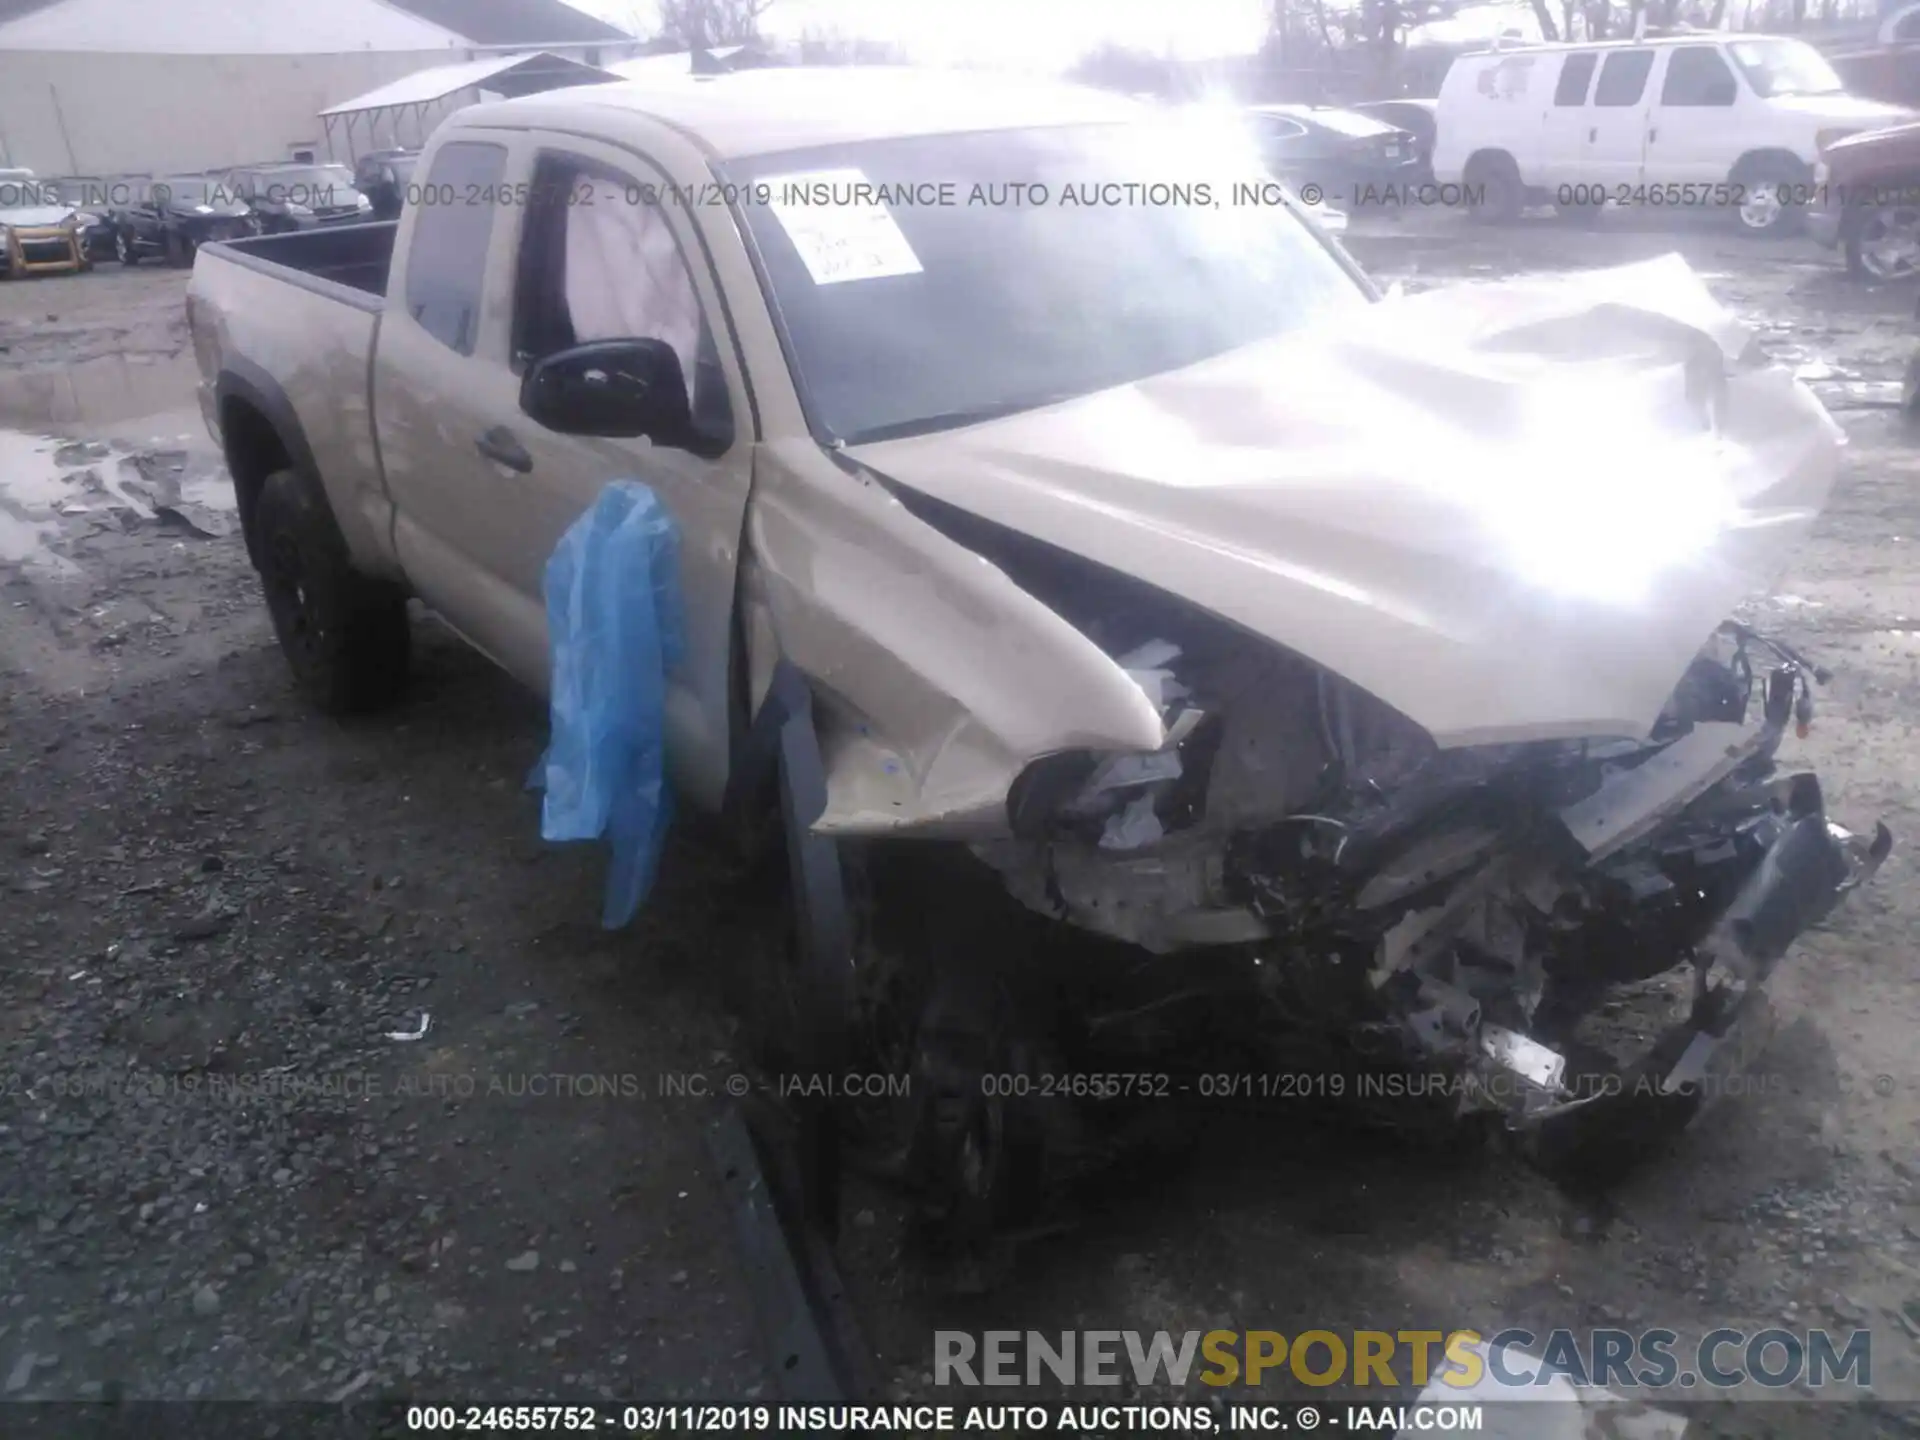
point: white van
(1732, 121)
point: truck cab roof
(758, 112)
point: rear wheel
(1495, 193)
(345, 634)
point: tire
(1765, 213)
(1502, 195)
(125, 250)
(179, 250)
(345, 634)
(1884, 243)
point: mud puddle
(52, 489)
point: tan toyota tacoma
(1341, 677)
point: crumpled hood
(1511, 511)
(36, 217)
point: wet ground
(223, 1171)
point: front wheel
(1885, 244)
(1768, 205)
(345, 634)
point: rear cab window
(447, 257)
(1623, 78)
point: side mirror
(620, 389)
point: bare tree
(833, 46)
(701, 24)
(1544, 18)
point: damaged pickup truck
(1353, 674)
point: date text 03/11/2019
(660, 1420)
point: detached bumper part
(1810, 865)
(1810, 868)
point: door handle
(499, 445)
(1593, 134)
(1653, 135)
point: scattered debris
(426, 1023)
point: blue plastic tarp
(614, 628)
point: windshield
(1009, 269)
(1785, 67)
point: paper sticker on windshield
(840, 226)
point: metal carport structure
(444, 88)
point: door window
(447, 262)
(599, 261)
(1696, 75)
(1575, 76)
(1623, 79)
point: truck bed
(354, 257)
(293, 320)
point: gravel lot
(221, 1175)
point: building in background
(108, 87)
(403, 112)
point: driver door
(599, 259)
(482, 492)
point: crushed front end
(1450, 923)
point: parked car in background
(175, 214)
(382, 176)
(1867, 202)
(92, 197)
(1348, 158)
(39, 233)
(1416, 117)
(1735, 122)
(292, 196)
(1886, 67)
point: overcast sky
(1043, 34)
